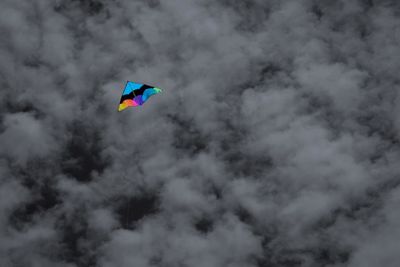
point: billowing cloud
(274, 143)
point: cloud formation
(274, 143)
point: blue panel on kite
(131, 86)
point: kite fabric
(135, 94)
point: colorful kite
(135, 94)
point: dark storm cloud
(274, 143)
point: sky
(275, 141)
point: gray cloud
(274, 143)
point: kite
(135, 94)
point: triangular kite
(135, 94)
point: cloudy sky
(276, 141)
